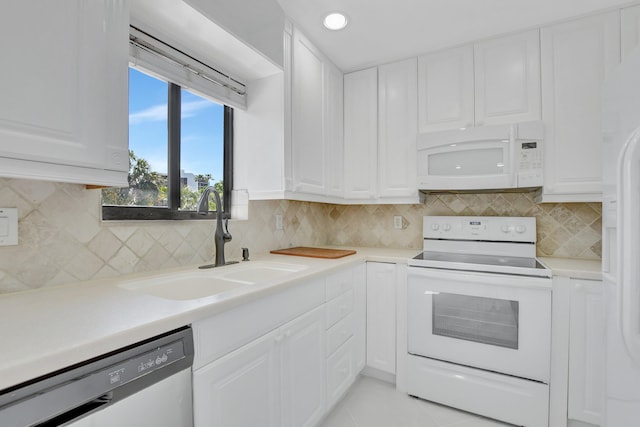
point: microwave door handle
(628, 232)
(513, 167)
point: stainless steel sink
(188, 285)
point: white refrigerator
(621, 242)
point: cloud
(192, 108)
(158, 113)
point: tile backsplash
(63, 240)
(571, 230)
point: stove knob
(446, 227)
(435, 227)
(521, 229)
(505, 228)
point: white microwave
(482, 158)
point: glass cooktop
(479, 262)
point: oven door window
(485, 320)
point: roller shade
(160, 59)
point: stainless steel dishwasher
(145, 384)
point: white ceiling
(386, 30)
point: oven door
(496, 322)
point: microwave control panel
(530, 164)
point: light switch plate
(8, 226)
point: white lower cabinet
(340, 373)
(252, 369)
(302, 365)
(276, 380)
(577, 360)
(247, 378)
(341, 292)
(586, 353)
(381, 317)
(359, 318)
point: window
(179, 143)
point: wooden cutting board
(314, 252)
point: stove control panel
(498, 229)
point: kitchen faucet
(221, 236)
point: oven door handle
(491, 279)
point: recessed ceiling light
(335, 21)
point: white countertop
(48, 329)
(574, 268)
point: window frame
(172, 211)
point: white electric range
(479, 318)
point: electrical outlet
(397, 222)
(279, 225)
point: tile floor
(374, 403)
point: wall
(570, 230)
(62, 239)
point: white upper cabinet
(313, 147)
(630, 29)
(63, 115)
(397, 129)
(445, 85)
(576, 56)
(507, 79)
(307, 113)
(334, 141)
(380, 128)
(491, 82)
(361, 133)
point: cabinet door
(445, 90)
(359, 318)
(242, 388)
(302, 366)
(360, 133)
(576, 56)
(381, 316)
(397, 129)
(507, 79)
(63, 114)
(630, 29)
(586, 352)
(307, 112)
(334, 142)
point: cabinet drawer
(339, 373)
(339, 307)
(339, 333)
(339, 283)
(218, 335)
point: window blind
(162, 60)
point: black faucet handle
(245, 254)
(226, 234)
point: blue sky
(201, 132)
